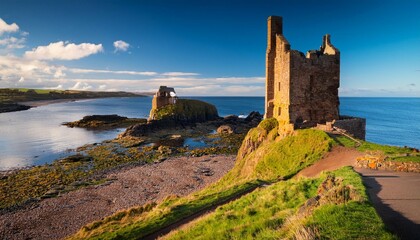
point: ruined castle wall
(314, 87)
(161, 101)
(353, 125)
(282, 81)
(274, 28)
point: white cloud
(41, 74)
(81, 86)
(81, 70)
(177, 74)
(250, 86)
(121, 46)
(59, 87)
(4, 27)
(12, 67)
(59, 72)
(63, 51)
(12, 43)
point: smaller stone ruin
(164, 96)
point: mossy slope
(266, 156)
(186, 110)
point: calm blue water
(36, 136)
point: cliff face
(185, 110)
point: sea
(37, 136)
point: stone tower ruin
(301, 90)
(164, 96)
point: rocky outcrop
(254, 117)
(12, 107)
(380, 162)
(185, 111)
(266, 130)
(231, 123)
(104, 121)
(331, 191)
(225, 129)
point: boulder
(225, 129)
(231, 119)
(104, 121)
(254, 116)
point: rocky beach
(58, 217)
(147, 163)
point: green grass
(254, 216)
(353, 220)
(38, 91)
(279, 159)
(285, 158)
(415, 159)
(393, 153)
(272, 213)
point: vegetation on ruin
(186, 110)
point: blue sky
(209, 48)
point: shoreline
(39, 103)
(124, 188)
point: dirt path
(396, 198)
(58, 217)
(337, 158)
(395, 195)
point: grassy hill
(10, 97)
(269, 204)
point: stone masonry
(164, 96)
(301, 90)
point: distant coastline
(20, 99)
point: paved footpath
(396, 197)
